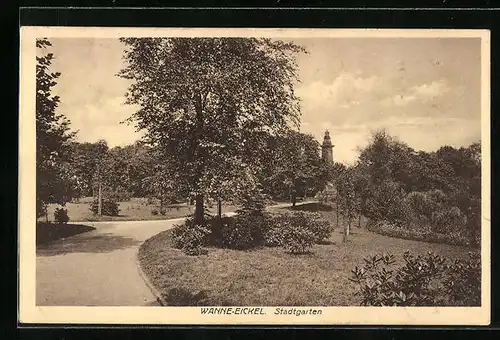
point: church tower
(327, 149)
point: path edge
(148, 282)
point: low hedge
(454, 239)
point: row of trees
(293, 168)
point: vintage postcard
(254, 176)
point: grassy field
(134, 210)
(269, 276)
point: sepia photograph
(254, 176)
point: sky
(423, 91)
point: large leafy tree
(55, 180)
(206, 103)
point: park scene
(258, 172)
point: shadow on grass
(312, 207)
(48, 232)
(308, 253)
(325, 242)
(86, 243)
(183, 297)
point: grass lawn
(134, 210)
(269, 276)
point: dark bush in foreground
(244, 231)
(451, 238)
(190, 237)
(61, 216)
(109, 207)
(421, 281)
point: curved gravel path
(100, 267)
(97, 268)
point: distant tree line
(427, 192)
(137, 170)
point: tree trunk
(199, 213)
(294, 200)
(47, 214)
(99, 208)
(219, 208)
(359, 221)
(337, 210)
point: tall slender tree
(55, 181)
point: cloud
(101, 120)
(434, 89)
(399, 100)
(423, 93)
(346, 90)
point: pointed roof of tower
(327, 142)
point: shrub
(109, 207)
(272, 234)
(237, 234)
(154, 212)
(463, 283)
(243, 231)
(448, 220)
(420, 234)
(387, 203)
(61, 216)
(189, 237)
(421, 281)
(296, 239)
(297, 231)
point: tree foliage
(439, 191)
(294, 167)
(55, 180)
(207, 102)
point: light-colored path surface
(98, 268)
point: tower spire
(327, 148)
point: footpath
(100, 267)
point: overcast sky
(426, 92)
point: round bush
(297, 231)
(189, 237)
(449, 220)
(61, 216)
